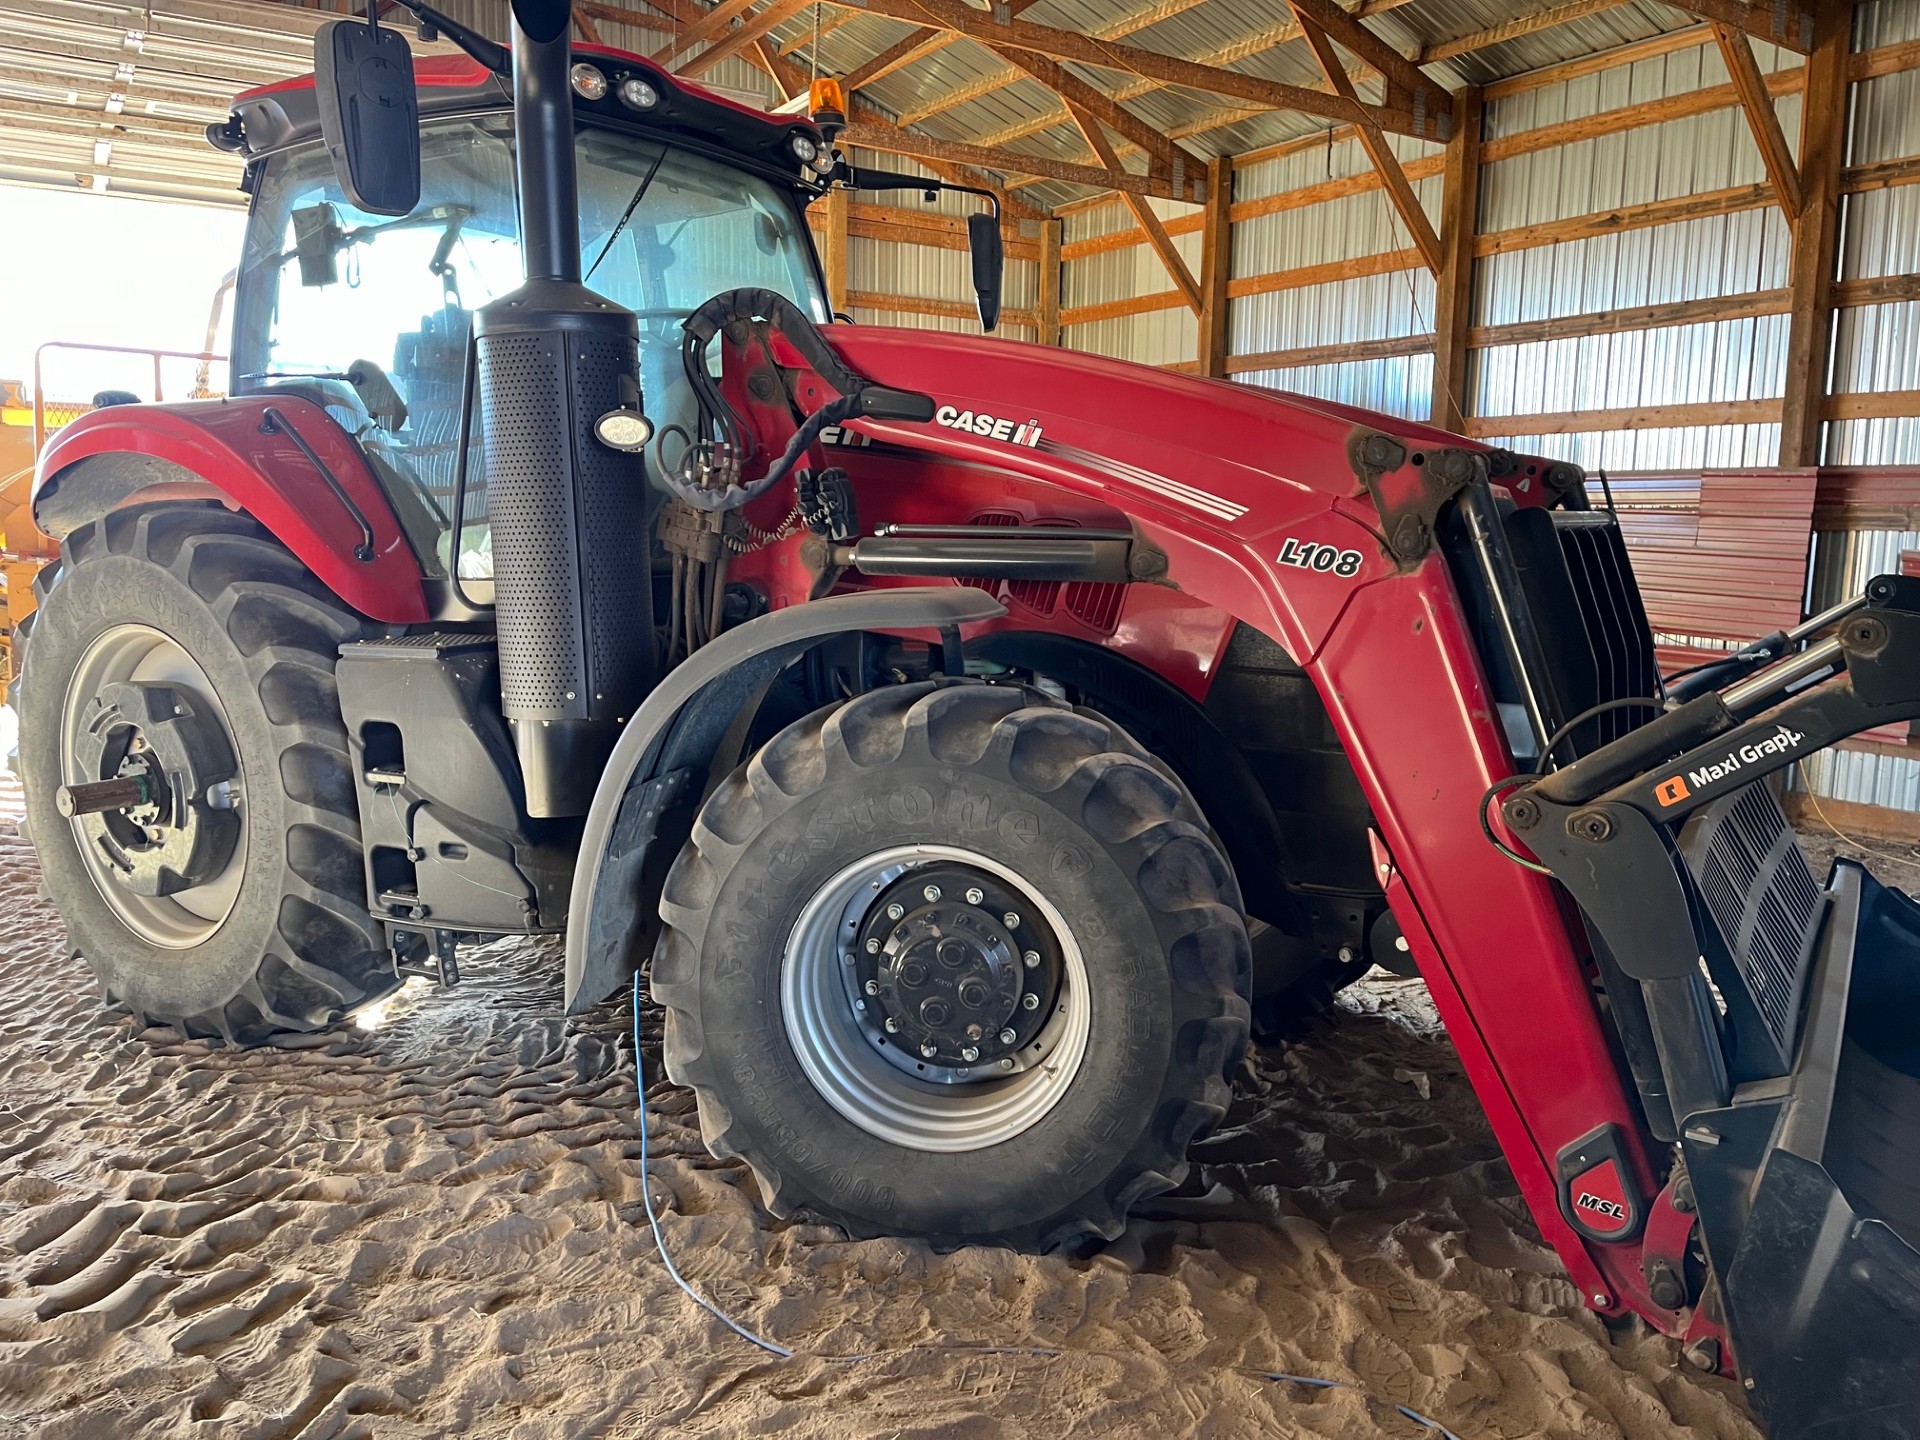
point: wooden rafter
(904, 51)
(1149, 64)
(1406, 86)
(1392, 177)
(1009, 74)
(1788, 23)
(1514, 29)
(1156, 232)
(708, 27)
(1757, 101)
(877, 134)
(745, 34)
(584, 24)
(1184, 170)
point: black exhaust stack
(573, 593)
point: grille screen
(1763, 899)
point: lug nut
(1007, 1064)
(849, 958)
(872, 987)
(895, 911)
(928, 1051)
(873, 945)
(1029, 1001)
(1011, 920)
(1031, 959)
(1007, 1037)
(1346, 954)
(968, 1053)
(861, 1006)
(975, 896)
(932, 892)
(893, 1025)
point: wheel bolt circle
(932, 892)
(1031, 959)
(975, 896)
(1007, 1037)
(1011, 920)
(968, 1053)
(894, 912)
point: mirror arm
(490, 54)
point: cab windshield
(369, 316)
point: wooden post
(839, 211)
(1816, 237)
(1216, 268)
(1453, 286)
(1049, 291)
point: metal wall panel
(1689, 260)
(1158, 337)
(1877, 347)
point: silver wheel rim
(142, 653)
(842, 1059)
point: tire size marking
(1311, 555)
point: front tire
(232, 912)
(954, 960)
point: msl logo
(993, 427)
(1674, 789)
(1600, 1205)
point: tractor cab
(682, 194)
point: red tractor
(979, 737)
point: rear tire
(1058, 817)
(288, 944)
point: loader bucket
(1809, 1188)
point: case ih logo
(991, 426)
(1612, 1209)
(1672, 791)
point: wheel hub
(179, 829)
(953, 974)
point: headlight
(627, 430)
(637, 94)
(824, 162)
(588, 83)
(803, 148)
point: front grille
(1615, 621)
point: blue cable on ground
(646, 1199)
(772, 1347)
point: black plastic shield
(369, 114)
(989, 260)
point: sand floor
(435, 1228)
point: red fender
(230, 445)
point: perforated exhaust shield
(573, 593)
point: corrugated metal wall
(1689, 260)
(1159, 337)
(1370, 307)
(1876, 347)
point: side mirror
(989, 263)
(369, 114)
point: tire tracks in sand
(435, 1228)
